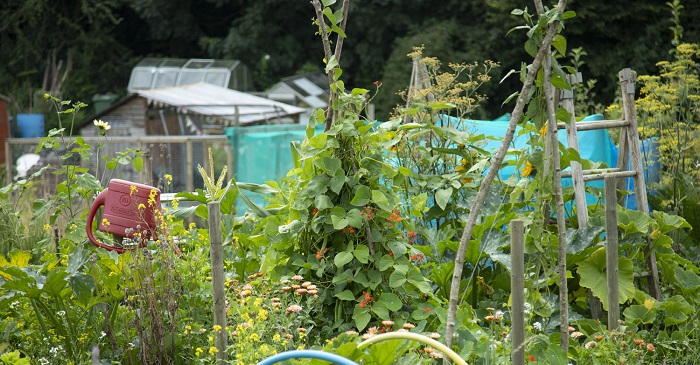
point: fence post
(9, 161)
(217, 281)
(147, 167)
(190, 166)
(612, 252)
(517, 290)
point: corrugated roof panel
(220, 102)
(309, 87)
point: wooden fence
(177, 156)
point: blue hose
(308, 354)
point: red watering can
(130, 211)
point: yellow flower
(212, 350)
(527, 170)
(132, 190)
(152, 197)
(47, 227)
(175, 203)
(105, 222)
(141, 206)
(543, 130)
(198, 351)
(217, 328)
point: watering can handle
(99, 201)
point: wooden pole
(612, 252)
(190, 168)
(147, 167)
(9, 161)
(517, 290)
(559, 205)
(217, 281)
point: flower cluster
(366, 299)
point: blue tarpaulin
(594, 145)
(263, 153)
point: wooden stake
(559, 205)
(611, 251)
(517, 291)
(217, 281)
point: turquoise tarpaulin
(263, 153)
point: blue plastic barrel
(30, 125)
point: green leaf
(138, 164)
(359, 91)
(385, 263)
(362, 196)
(361, 320)
(319, 140)
(55, 282)
(639, 314)
(581, 238)
(404, 171)
(340, 32)
(361, 253)
(380, 199)
(559, 43)
(323, 202)
(633, 221)
(435, 105)
(82, 285)
(568, 14)
(688, 280)
(380, 310)
(342, 258)
(442, 197)
(345, 295)
(676, 310)
(338, 218)
(669, 222)
(397, 279)
(337, 181)
(531, 47)
(391, 301)
(354, 218)
(419, 204)
(328, 2)
(563, 115)
(593, 276)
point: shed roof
(313, 88)
(219, 102)
(215, 102)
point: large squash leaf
(593, 276)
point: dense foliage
(100, 41)
(359, 239)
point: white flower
(537, 326)
(101, 125)
(527, 308)
(61, 313)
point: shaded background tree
(106, 38)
